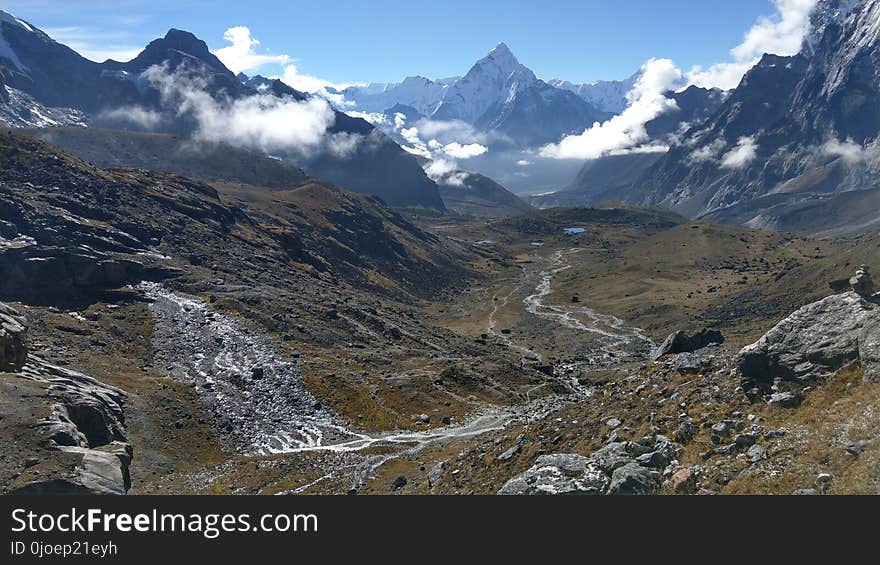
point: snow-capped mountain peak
(503, 57)
(488, 83)
(500, 62)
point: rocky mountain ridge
(606, 95)
(49, 84)
(80, 446)
(797, 129)
(498, 95)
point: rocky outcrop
(64, 84)
(625, 467)
(680, 342)
(786, 113)
(13, 339)
(816, 341)
(42, 274)
(81, 447)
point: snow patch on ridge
(6, 17)
(6, 51)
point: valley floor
(547, 351)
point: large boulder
(13, 340)
(625, 467)
(681, 342)
(633, 478)
(559, 474)
(816, 341)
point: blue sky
(385, 40)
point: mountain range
(214, 283)
(798, 132)
(419, 93)
(52, 85)
(499, 96)
(793, 147)
(606, 95)
(611, 176)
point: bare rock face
(816, 341)
(13, 339)
(81, 447)
(869, 350)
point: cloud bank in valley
(851, 153)
(625, 132)
(262, 122)
(137, 116)
(448, 143)
(444, 143)
(268, 123)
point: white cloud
(134, 115)
(848, 150)
(449, 131)
(707, 152)
(446, 173)
(725, 76)
(263, 122)
(458, 151)
(523, 163)
(745, 151)
(241, 56)
(411, 135)
(305, 83)
(627, 130)
(780, 34)
(456, 178)
(330, 91)
(442, 157)
(851, 152)
(441, 170)
(345, 144)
